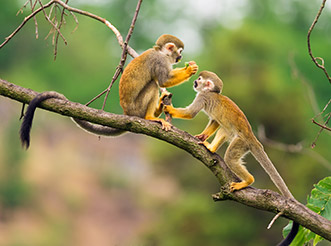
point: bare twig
(51, 22)
(34, 17)
(26, 19)
(119, 68)
(131, 51)
(323, 126)
(321, 66)
(60, 25)
(274, 219)
(320, 131)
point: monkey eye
(199, 78)
(180, 50)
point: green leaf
(319, 202)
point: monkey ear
(209, 85)
(170, 46)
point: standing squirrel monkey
(233, 127)
(138, 87)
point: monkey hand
(192, 68)
(201, 137)
(165, 97)
(168, 109)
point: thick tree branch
(261, 199)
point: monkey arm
(208, 131)
(179, 75)
(189, 112)
(182, 113)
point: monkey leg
(179, 75)
(209, 130)
(217, 142)
(233, 158)
(151, 112)
(159, 108)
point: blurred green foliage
(320, 202)
(256, 47)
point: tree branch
(261, 199)
(321, 66)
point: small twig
(313, 145)
(34, 17)
(274, 219)
(321, 66)
(119, 68)
(22, 111)
(49, 20)
(76, 20)
(57, 35)
(26, 19)
(322, 126)
(325, 107)
(131, 51)
(20, 11)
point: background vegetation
(72, 188)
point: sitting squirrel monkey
(138, 87)
(233, 127)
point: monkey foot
(238, 186)
(166, 125)
(208, 146)
(201, 137)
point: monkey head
(208, 81)
(171, 46)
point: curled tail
(28, 116)
(85, 125)
(98, 129)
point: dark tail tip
(288, 240)
(25, 129)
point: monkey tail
(288, 240)
(28, 116)
(261, 156)
(98, 129)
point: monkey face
(211, 82)
(202, 84)
(174, 53)
(198, 84)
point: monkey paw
(192, 68)
(166, 126)
(201, 137)
(237, 186)
(207, 146)
(167, 108)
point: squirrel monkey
(138, 87)
(233, 127)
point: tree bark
(261, 199)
